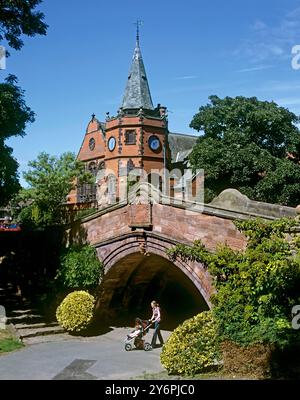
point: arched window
(101, 165)
(111, 184)
(86, 193)
(101, 172)
(92, 167)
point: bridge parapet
(229, 204)
(232, 201)
(148, 209)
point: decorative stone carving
(232, 199)
(140, 216)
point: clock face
(154, 143)
(111, 143)
(92, 143)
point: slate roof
(137, 93)
(181, 145)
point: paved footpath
(99, 357)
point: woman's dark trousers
(156, 334)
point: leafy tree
(18, 17)
(9, 183)
(256, 288)
(281, 185)
(50, 180)
(80, 268)
(14, 116)
(13, 110)
(249, 145)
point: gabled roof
(181, 145)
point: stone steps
(37, 325)
(31, 332)
(28, 324)
(26, 319)
(39, 331)
(24, 311)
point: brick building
(137, 138)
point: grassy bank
(8, 341)
(163, 375)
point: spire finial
(138, 23)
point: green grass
(8, 342)
(163, 375)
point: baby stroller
(135, 339)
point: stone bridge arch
(138, 270)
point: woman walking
(156, 319)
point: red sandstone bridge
(131, 238)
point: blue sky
(191, 49)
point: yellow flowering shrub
(76, 311)
(192, 347)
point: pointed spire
(137, 93)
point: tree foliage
(249, 145)
(256, 288)
(50, 179)
(80, 268)
(14, 116)
(9, 184)
(19, 17)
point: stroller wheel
(128, 347)
(147, 346)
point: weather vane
(138, 23)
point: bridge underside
(136, 279)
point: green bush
(192, 347)
(80, 268)
(76, 311)
(255, 288)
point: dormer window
(130, 137)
